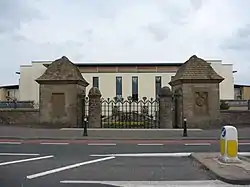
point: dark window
(135, 88)
(96, 82)
(119, 87)
(157, 86)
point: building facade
(9, 93)
(241, 92)
(137, 80)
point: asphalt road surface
(102, 163)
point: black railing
(235, 104)
(16, 104)
(130, 113)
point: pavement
(14, 132)
(234, 173)
(40, 163)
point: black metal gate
(120, 113)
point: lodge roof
(62, 69)
(196, 69)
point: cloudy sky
(124, 30)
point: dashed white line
(51, 143)
(197, 144)
(156, 144)
(244, 143)
(101, 144)
(13, 143)
(18, 154)
(25, 160)
(67, 167)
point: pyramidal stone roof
(62, 70)
(196, 69)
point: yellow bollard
(229, 144)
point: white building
(122, 79)
(9, 93)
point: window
(119, 87)
(157, 86)
(134, 88)
(96, 82)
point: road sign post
(229, 144)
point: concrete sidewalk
(13, 132)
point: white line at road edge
(25, 160)
(197, 144)
(146, 155)
(205, 183)
(101, 144)
(12, 143)
(48, 143)
(18, 154)
(150, 144)
(156, 154)
(243, 153)
(67, 167)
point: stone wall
(24, 117)
(227, 117)
(30, 117)
(235, 117)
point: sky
(124, 30)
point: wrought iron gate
(120, 113)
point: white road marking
(68, 167)
(101, 144)
(12, 143)
(246, 143)
(147, 155)
(197, 144)
(150, 144)
(109, 129)
(51, 143)
(244, 153)
(203, 183)
(24, 160)
(18, 154)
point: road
(105, 163)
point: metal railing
(237, 104)
(16, 104)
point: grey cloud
(196, 4)
(158, 31)
(244, 32)
(14, 13)
(17, 37)
(236, 45)
(239, 40)
(128, 43)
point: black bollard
(185, 127)
(85, 131)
